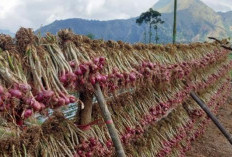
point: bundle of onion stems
(146, 89)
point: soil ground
(213, 143)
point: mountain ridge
(167, 6)
(195, 22)
(4, 31)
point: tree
(152, 18)
(91, 36)
(156, 22)
(145, 36)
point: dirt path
(213, 143)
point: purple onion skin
(27, 113)
(72, 99)
(15, 93)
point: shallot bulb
(84, 68)
(27, 113)
(40, 97)
(102, 60)
(92, 80)
(15, 93)
(78, 71)
(63, 79)
(47, 94)
(24, 87)
(98, 78)
(67, 101)
(132, 77)
(61, 102)
(72, 64)
(36, 105)
(96, 60)
(71, 76)
(72, 99)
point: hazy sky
(34, 13)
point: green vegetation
(91, 36)
(152, 18)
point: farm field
(116, 78)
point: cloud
(34, 13)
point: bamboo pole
(109, 122)
(174, 22)
(211, 116)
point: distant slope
(227, 18)
(195, 22)
(126, 30)
(167, 6)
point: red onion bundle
(148, 70)
(153, 82)
(19, 103)
(134, 133)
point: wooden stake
(174, 22)
(211, 116)
(109, 122)
(86, 113)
